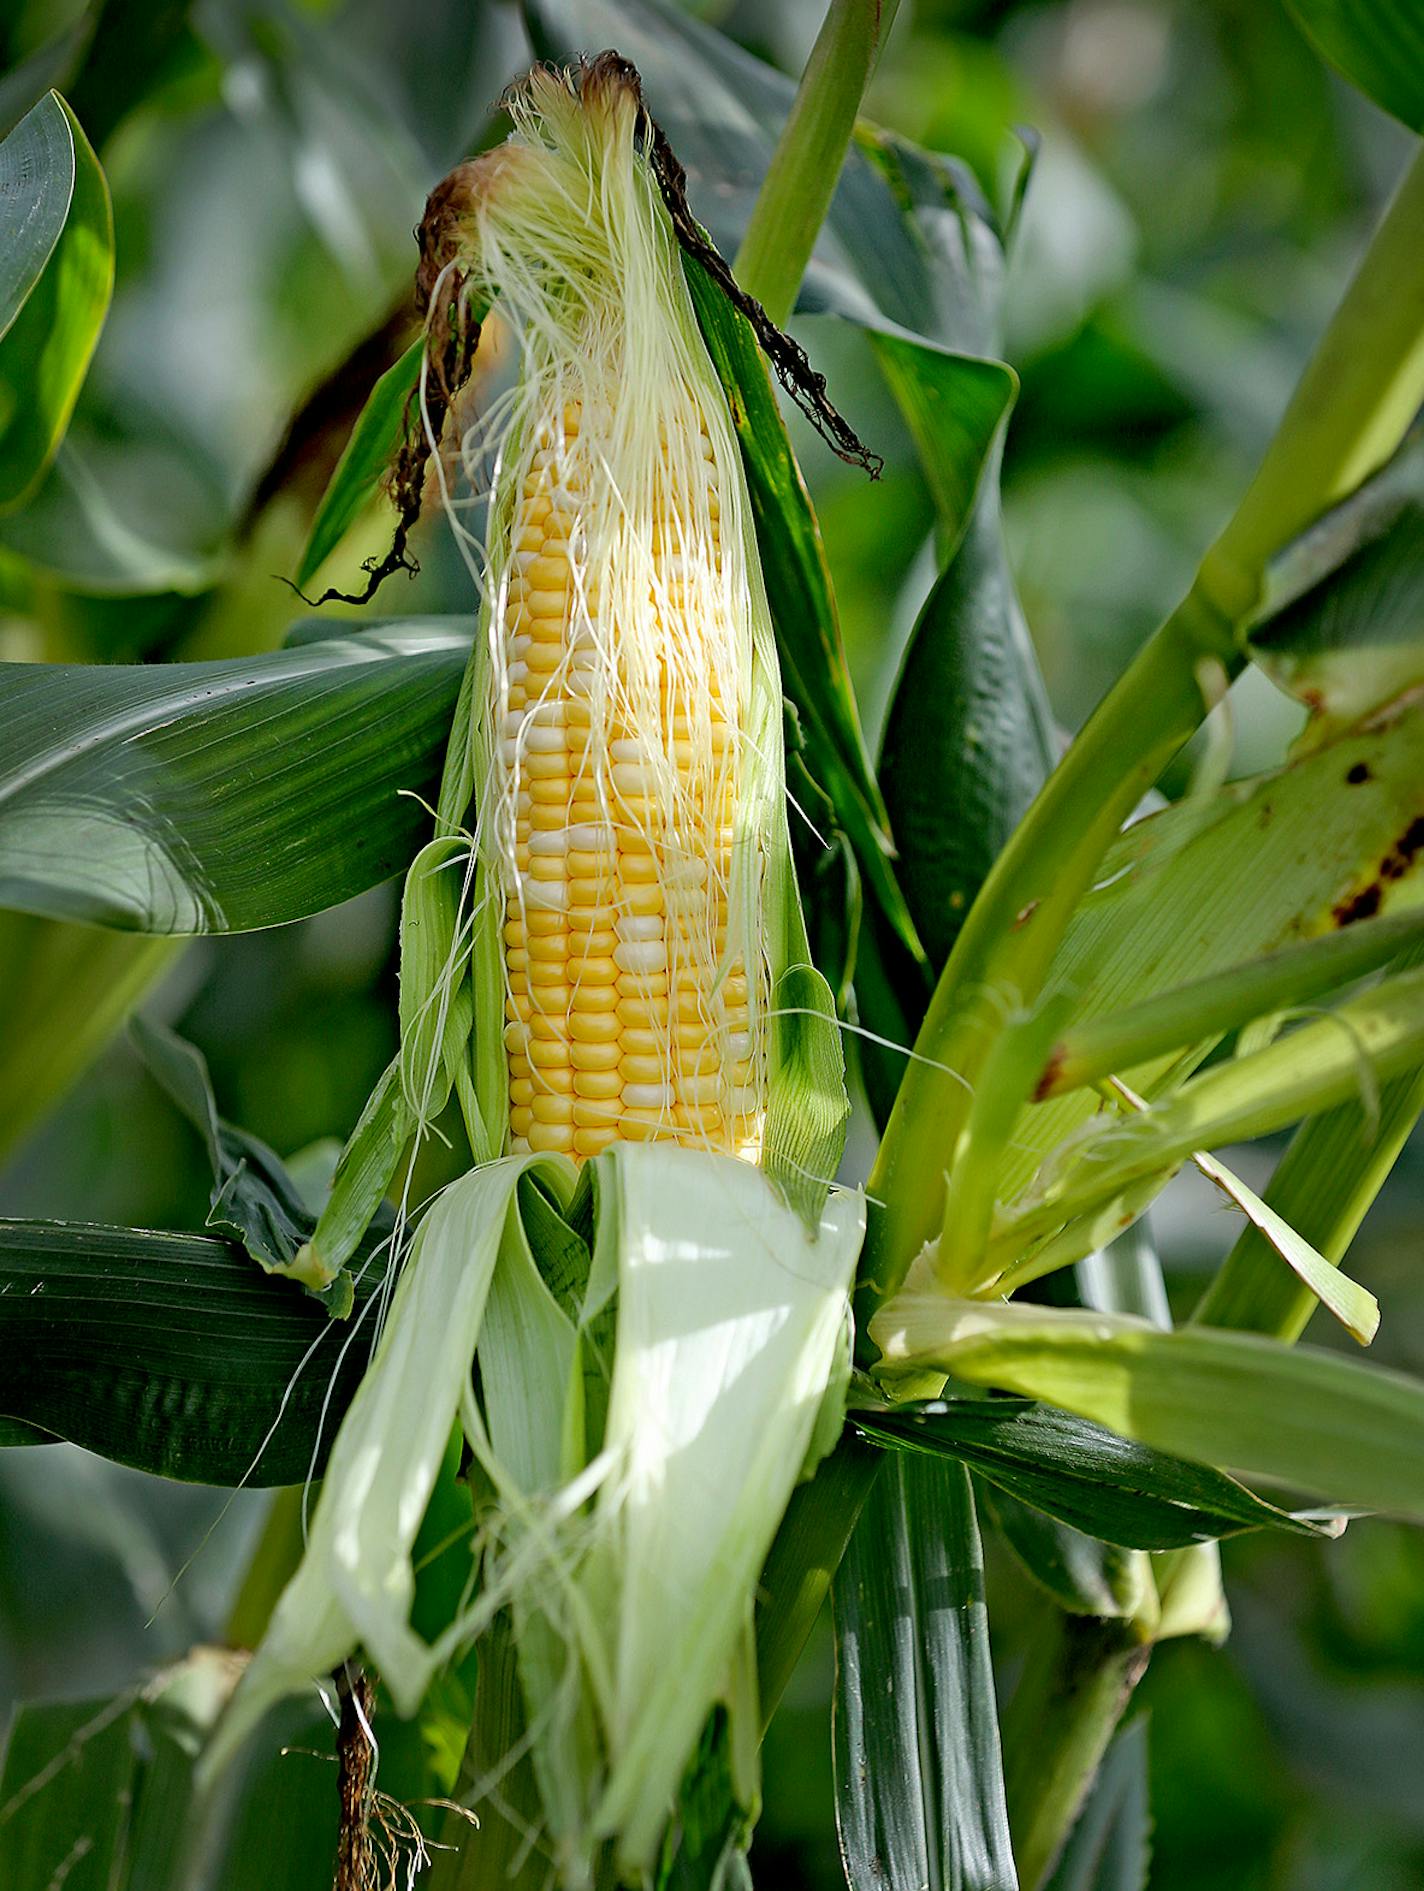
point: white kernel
(648, 1096)
(641, 956)
(548, 896)
(636, 928)
(552, 842)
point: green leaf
(64, 992)
(1225, 1000)
(1377, 44)
(1345, 1052)
(57, 241)
(97, 1795)
(254, 1199)
(919, 1786)
(1105, 1485)
(1337, 1429)
(1110, 1847)
(1084, 1575)
(1325, 842)
(803, 610)
(1343, 628)
(1352, 1305)
(218, 797)
(171, 1353)
(1322, 1188)
(364, 462)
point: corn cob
(619, 657)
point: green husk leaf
(365, 461)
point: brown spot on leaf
(1362, 905)
(1360, 772)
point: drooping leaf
(172, 1353)
(1344, 626)
(1329, 1426)
(1377, 44)
(57, 242)
(213, 797)
(967, 740)
(364, 462)
(1101, 1483)
(1353, 1306)
(254, 1199)
(1110, 1846)
(1322, 1188)
(919, 1784)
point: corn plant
(571, 1454)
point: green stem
(1015, 925)
(801, 179)
(1076, 1682)
(1356, 398)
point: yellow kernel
(645, 1013)
(603, 1086)
(643, 984)
(550, 951)
(591, 971)
(521, 1121)
(552, 1027)
(699, 1063)
(636, 1069)
(551, 1136)
(592, 1142)
(644, 1126)
(521, 1092)
(557, 1080)
(697, 1090)
(704, 1119)
(593, 998)
(543, 925)
(553, 1109)
(592, 1056)
(596, 1113)
(546, 1054)
(594, 1027)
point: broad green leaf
(55, 292)
(1344, 625)
(1107, 1486)
(49, 68)
(37, 167)
(64, 992)
(218, 797)
(1316, 1422)
(1110, 1846)
(1377, 44)
(1322, 843)
(172, 1353)
(364, 462)
(919, 1787)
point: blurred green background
(1202, 188)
